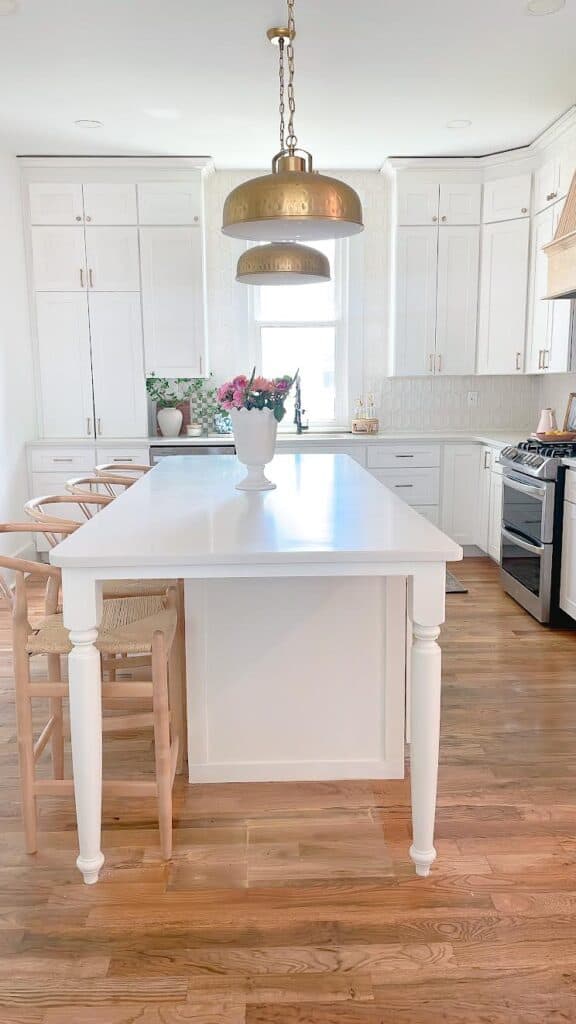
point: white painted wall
(17, 403)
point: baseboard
(295, 771)
(472, 550)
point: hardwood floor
(296, 903)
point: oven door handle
(534, 492)
(535, 549)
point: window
(303, 327)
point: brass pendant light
(283, 263)
(293, 202)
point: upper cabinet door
(460, 204)
(173, 202)
(507, 198)
(118, 365)
(59, 259)
(112, 259)
(110, 204)
(415, 327)
(55, 203)
(503, 277)
(173, 301)
(457, 308)
(417, 202)
(64, 371)
(539, 309)
(547, 184)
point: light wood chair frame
(108, 481)
(124, 468)
(164, 665)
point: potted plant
(256, 406)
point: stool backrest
(44, 511)
(109, 484)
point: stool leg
(162, 742)
(25, 747)
(57, 744)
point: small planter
(255, 438)
(169, 421)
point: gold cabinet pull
(91, 277)
(439, 362)
(81, 277)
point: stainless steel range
(533, 492)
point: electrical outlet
(472, 398)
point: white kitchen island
(299, 604)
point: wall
(416, 403)
(17, 418)
(555, 390)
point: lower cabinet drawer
(430, 512)
(403, 456)
(140, 456)
(60, 460)
(414, 486)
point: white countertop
(497, 438)
(187, 512)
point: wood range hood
(561, 251)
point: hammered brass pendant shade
(292, 203)
(283, 263)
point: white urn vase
(255, 439)
(169, 421)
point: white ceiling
(373, 77)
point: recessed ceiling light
(164, 113)
(459, 124)
(9, 6)
(87, 123)
(540, 7)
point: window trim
(340, 323)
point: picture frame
(570, 417)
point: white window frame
(342, 375)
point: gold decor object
(294, 202)
(283, 263)
(365, 426)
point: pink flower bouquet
(256, 393)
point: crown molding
(548, 137)
(201, 163)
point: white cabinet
(457, 299)
(568, 567)
(417, 201)
(414, 486)
(425, 203)
(503, 293)
(173, 301)
(483, 517)
(416, 272)
(118, 365)
(547, 183)
(168, 203)
(460, 204)
(55, 203)
(59, 259)
(106, 203)
(549, 322)
(495, 521)
(507, 198)
(64, 368)
(460, 477)
(403, 456)
(113, 260)
(436, 300)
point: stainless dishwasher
(159, 452)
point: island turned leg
(427, 612)
(82, 612)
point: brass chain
(282, 106)
(291, 138)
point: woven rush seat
(134, 588)
(127, 627)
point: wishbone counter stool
(138, 631)
(110, 484)
(122, 467)
(40, 510)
